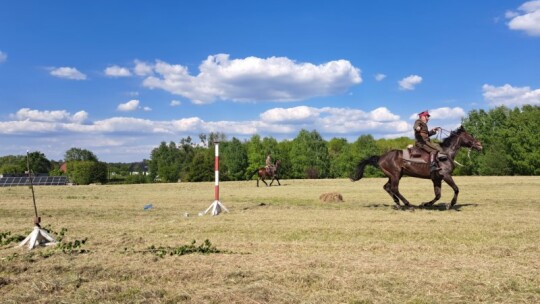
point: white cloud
(131, 105)
(382, 114)
(147, 109)
(26, 114)
(527, 19)
(444, 113)
(68, 73)
(336, 120)
(251, 79)
(79, 117)
(380, 77)
(510, 96)
(3, 56)
(278, 120)
(175, 103)
(117, 71)
(290, 115)
(409, 82)
(142, 68)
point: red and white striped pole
(216, 174)
(216, 206)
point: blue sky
(119, 77)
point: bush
(87, 172)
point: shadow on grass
(443, 206)
(437, 207)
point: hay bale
(331, 197)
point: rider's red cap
(424, 113)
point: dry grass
(280, 244)
(331, 197)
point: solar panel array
(37, 181)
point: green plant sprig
(204, 248)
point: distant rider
(269, 166)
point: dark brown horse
(263, 173)
(394, 166)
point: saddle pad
(407, 157)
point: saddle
(270, 169)
(417, 155)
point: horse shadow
(434, 207)
(444, 206)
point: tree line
(511, 147)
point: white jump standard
(216, 206)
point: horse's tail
(359, 173)
(251, 175)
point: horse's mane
(453, 134)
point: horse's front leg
(437, 189)
(450, 181)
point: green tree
(38, 162)
(509, 140)
(202, 166)
(523, 143)
(283, 154)
(165, 162)
(309, 156)
(255, 154)
(364, 147)
(187, 150)
(386, 144)
(12, 164)
(79, 154)
(17, 164)
(235, 159)
(340, 157)
(494, 162)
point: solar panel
(11, 181)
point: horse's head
(467, 140)
(277, 163)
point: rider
(269, 166)
(422, 134)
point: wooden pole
(37, 220)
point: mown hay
(331, 197)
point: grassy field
(277, 244)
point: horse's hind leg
(262, 178)
(437, 189)
(388, 189)
(394, 188)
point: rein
(444, 133)
(447, 133)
